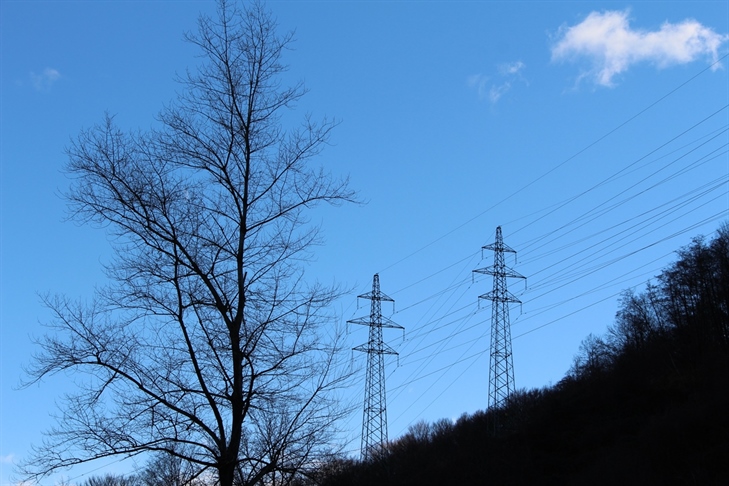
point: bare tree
(164, 469)
(595, 357)
(208, 345)
(112, 480)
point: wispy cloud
(494, 87)
(611, 46)
(8, 459)
(479, 82)
(44, 80)
(511, 68)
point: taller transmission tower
(501, 369)
(374, 422)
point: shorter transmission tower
(374, 422)
(501, 367)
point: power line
(568, 159)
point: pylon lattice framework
(374, 421)
(501, 366)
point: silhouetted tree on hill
(208, 344)
(112, 480)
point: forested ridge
(646, 403)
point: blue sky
(594, 133)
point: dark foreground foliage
(645, 404)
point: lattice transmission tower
(374, 422)
(501, 366)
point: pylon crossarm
(496, 247)
(366, 348)
(378, 296)
(496, 297)
(508, 272)
(365, 321)
(503, 271)
(390, 324)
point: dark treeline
(647, 403)
(162, 469)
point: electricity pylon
(501, 367)
(374, 422)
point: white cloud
(511, 68)
(44, 81)
(7, 459)
(496, 92)
(493, 88)
(612, 47)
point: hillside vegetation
(647, 403)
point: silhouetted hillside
(647, 403)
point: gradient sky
(594, 133)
